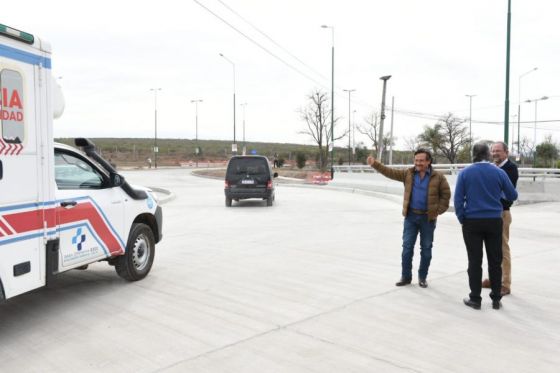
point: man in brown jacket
(426, 195)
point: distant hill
(173, 152)
(134, 152)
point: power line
(260, 46)
(272, 40)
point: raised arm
(391, 173)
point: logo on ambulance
(78, 239)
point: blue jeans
(414, 224)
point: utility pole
(197, 151)
(380, 152)
(391, 139)
(349, 127)
(155, 90)
(470, 124)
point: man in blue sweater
(478, 207)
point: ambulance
(61, 207)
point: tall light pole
(380, 142)
(197, 151)
(470, 122)
(519, 110)
(349, 126)
(536, 100)
(155, 90)
(391, 138)
(506, 111)
(332, 99)
(234, 146)
(244, 105)
(354, 132)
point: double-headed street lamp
(349, 127)
(332, 99)
(535, 100)
(519, 110)
(234, 146)
(155, 90)
(197, 151)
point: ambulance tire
(137, 261)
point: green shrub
(301, 158)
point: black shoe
(496, 304)
(403, 281)
(423, 283)
(471, 303)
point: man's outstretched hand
(370, 160)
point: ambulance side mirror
(1, 170)
(117, 180)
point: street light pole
(155, 90)
(354, 133)
(234, 146)
(536, 100)
(332, 99)
(519, 111)
(244, 144)
(380, 150)
(506, 113)
(196, 127)
(349, 127)
(470, 123)
(391, 138)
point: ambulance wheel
(137, 261)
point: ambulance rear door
(25, 198)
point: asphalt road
(306, 285)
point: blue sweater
(478, 191)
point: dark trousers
(475, 233)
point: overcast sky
(110, 53)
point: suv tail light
(269, 184)
(226, 184)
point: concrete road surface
(304, 286)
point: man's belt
(419, 212)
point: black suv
(249, 176)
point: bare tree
(371, 129)
(317, 118)
(447, 137)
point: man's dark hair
(480, 152)
(424, 151)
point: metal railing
(452, 169)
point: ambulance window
(11, 107)
(72, 172)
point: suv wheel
(228, 202)
(137, 261)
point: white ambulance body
(60, 207)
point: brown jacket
(438, 188)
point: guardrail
(453, 169)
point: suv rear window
(247, 166)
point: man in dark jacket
(426, 195)
(478, 207)
(500, 157)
